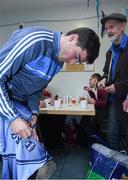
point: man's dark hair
(88, 40)
(97, 76)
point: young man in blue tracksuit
(28, 61)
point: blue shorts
(21, 157)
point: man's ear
(123, 26)
(74, 37)
(96, 80)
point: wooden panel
(74, 67)
(77, 67)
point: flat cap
(114, 16)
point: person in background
(30, 58)
(45, 94)
(69, 133)
(98, 97)
(115, 78)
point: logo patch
(16, 137)
(29, 145)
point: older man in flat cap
(116, 77)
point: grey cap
(114, 16)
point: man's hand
(34, 134)
(110, 89)
(102, 83)
(42, 104)
(87, 88)
(34, 120)
(33, 125)
(20, 127)
(125, 105)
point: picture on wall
(77, 67)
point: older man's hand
(102, 83)
(125, 105)
(110, 89)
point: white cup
(47, 102)
(84, 104)
(57, 104)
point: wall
(65, 82)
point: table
(69, 109)
(52, 126)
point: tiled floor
(72, 162)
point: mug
(84, 104)
(57, 104)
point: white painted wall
(64, 83)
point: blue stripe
(25, 162)
(8, 156)
(25, 39)
(33, 161)
(20, 49)
(4, 106)
(47, 77)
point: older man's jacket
(120, 79)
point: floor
(72, 162)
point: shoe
(47, 170)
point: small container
(84, 104)
(73, 100)
(66, 99)
(77, 99)
(57, 104)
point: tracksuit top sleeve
(10, 62)
(33, 102)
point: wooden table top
(72, 109)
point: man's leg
(113, 132)
(125, 130)
(47, 170)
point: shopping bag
(108, 163)
(91, 175)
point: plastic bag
(108, 163)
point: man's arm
(11, 60)
(120, 88)
(9, 67)
(33, 102)
(91, 93)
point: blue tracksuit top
(28, 61)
